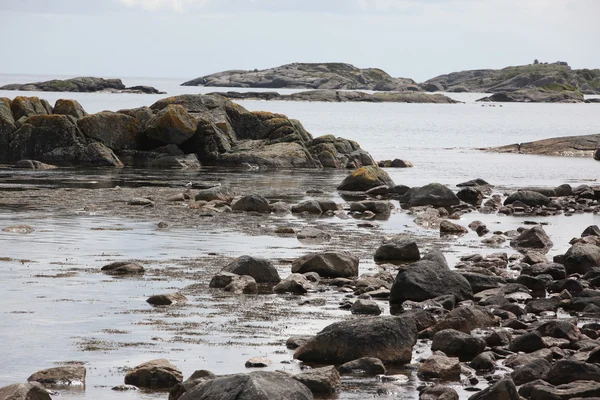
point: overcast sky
(185, 39)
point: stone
(449, 228)
(22, 106)
(535, 237)
(257, 362)
(171, 125)
(555, 270)
(222, 279)
(366, 178)
(313, 234)
(567, 371)
(22, 229)
(470, 195)
(295, 283)
(244, 284)
(485, 361)
(580, 258)
(527, 342)
(504, 389)
(362, 306)
(473, 317)
(321, 381)
(123, 268)
(69, 107)
(199, 376)
(457, 344)
(438, 392)
(397, 250)
(220, 193)
(156, 374)
(166, 299)
(579, 389)
(260, 269)
(366, 365)
(294, 342)
(438, 366)
(252, 202)
(69, 375)
(329, 264)
(527, 197)
(308, 206)
(591, 230)
(259, 385)
(33, 164)
(115, 130)
(390, 339)
(24, 391)
(433, 194)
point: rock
(222, 279)
(159, 158)
(295, 283)
(155, 374)
(199, 376)
(320, 381)
(366, 365)
(33, 164)
(557, 271)
(24, 391)
(80, 84)
(398, 250)
(449, 228)
(115, 130)
(69, 107)
(22, 106)
(260, 269)
(123, 268)
(23, 229)
(244, 284)
(457, 344)
(376, 207)
(535, 237)
(561, 330)
(427, 279)
(470, 195)
(534, 257)
(313, 234)
(433, 194)
(440, 367)
(259, 385)
(390, 339)
(362, 306)
(591, 230)
(252, 202)
(70, 375)
(485, 361)
(527, 197)
(140, 201)
(366, 178)
(296, 341)
(504, 389)
(537, 369)
(568, 146)
(438, 392)
(575, 390)
(498, 338)
(580, 258)
(330, 264)
(480, 282)
(473, 317)
(171, 125)
(257, 362)
(308, 206)
(567, 371)
(527, 342)
(166, 299)
(398, 163)
(215, 193)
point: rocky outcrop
(535, 96)
(556, 77)
(338, 96)
(176, 132)
(81, 84)
(309, 76)
(567, 146)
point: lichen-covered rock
(366, 178)
(116, 130)
(22, 106)
(171, 125)
(69, 107)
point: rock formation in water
(81, 84)
(308, 76)
(552, 77)
(175, 132)
(342, 96)
(568, 146)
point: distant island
(85, 84)
(536, 82)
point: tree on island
(535, 62)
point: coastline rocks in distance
(176, 132)
(307, 75)
(366, 178)
(84, 84)
(339, 96)
(537, 95)
(566, 146)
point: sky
(185, 39)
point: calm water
(55, 302)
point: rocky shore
(511, 324)
(337, 96)
(85, 84)
(176, 132)
(567, 146)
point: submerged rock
(123, 268)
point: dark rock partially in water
(535, 96)
(70, 375)
(81, 84)
(24, 391)
(155, 374)
(567, 146)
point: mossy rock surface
(365, 178)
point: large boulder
(171, 125)
(69, 107)
(155, 374)
(567, 371)
(321, 381)
(260, 269)
(457, 344)
(116, 130)
(24, 391)
(581, 257)
(252, 202)
(535, 238)
(579, 389)
(433, 194)
(22, 106)
(258, 385)
(426, 279)
(390, 339)
(329, 264)
(528, 197)
(439, 366)
(366, 178)
(69, 375)
(397, 250)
